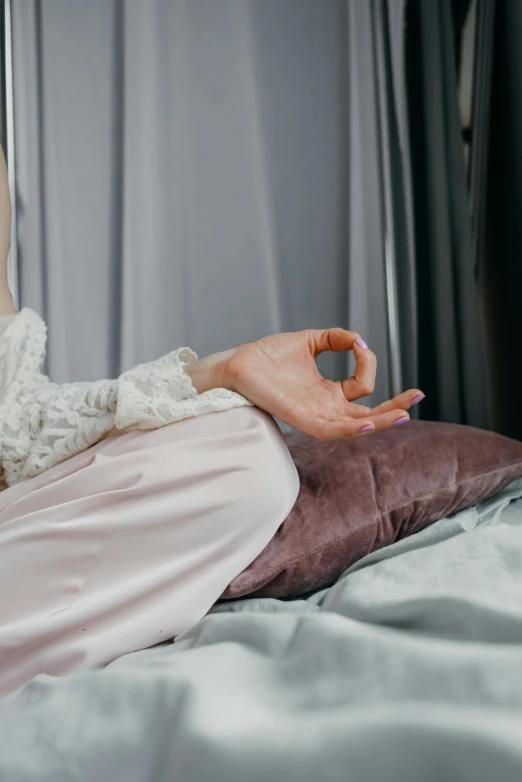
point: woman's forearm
(7, 306)
(6, 301)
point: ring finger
(403, 402)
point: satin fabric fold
(132, 541)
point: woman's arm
(6, 301)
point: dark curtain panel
(502, 264)
(459, 12)
(451, 353)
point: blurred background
(206, 172)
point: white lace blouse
(44, 423)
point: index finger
(362, 382)
(334, 339)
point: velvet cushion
(360, 495)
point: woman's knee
(233, 465)
(268, 486)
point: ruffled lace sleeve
(44, 423)
(161, 392)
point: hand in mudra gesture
(279, 374)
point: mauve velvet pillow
(360, 495)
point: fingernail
(360, 341)
(401, 420)
(367, 428)
(417, 399)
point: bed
(409, 667)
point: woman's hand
(279, 374)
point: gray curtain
(204, 173)
(452, 369)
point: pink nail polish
(367, 428)
(401, 420)
(417, 399)
(360, 341)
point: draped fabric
(204, 173)
(452, 369)
(502, 267)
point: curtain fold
(451, 336)
(396, 194)
(502, 268)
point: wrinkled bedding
(408, 668)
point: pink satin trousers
(132, 541)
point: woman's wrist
(210, 372)
(7, 306)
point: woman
(127, 506)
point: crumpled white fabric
(43, 423)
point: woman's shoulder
(25, 319)
(23, 331)
(22, 335)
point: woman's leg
(131, 542)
